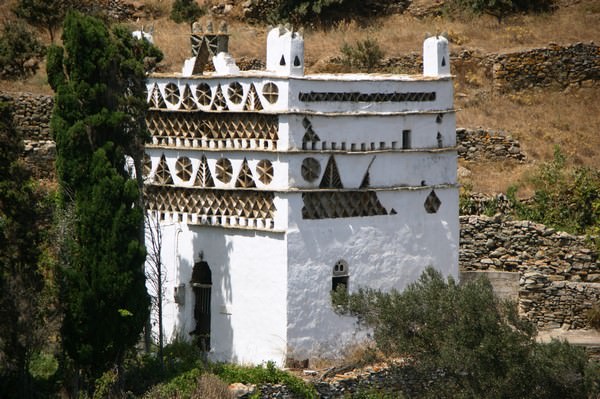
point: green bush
(315, 12)
(20, 51)
(364, 55)
(497, 8)
(467, 343)
(566, 199)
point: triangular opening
(282, 61)
(443, 61)
(297, 61)
(204, 177)
(156, 99)
(219, 104)
(188, 100)
(331, 177)
(252, 100)
(163, 174)
(245, 178)
(201, 59)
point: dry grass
(539, 119)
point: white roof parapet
(285, 52)
(436, 56)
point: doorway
(202, 287)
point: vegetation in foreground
(465, 343)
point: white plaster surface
(382, 252)
(436, 56)
(248, 279)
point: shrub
(498, 8)
(467, 343)
(566, 199)
(186, 11)
(20, 51)
(364, 55)
(315, 12)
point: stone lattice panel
(235, 92)
(204, 177)
(264, 169)
(219, 104)
(224, 170)
(163, 173)
(271, 92)
(156, 99)
(172, 93)
(188, 102)
(366, 97)
(331, 176)
(252, 100)
(222, 203)
(238, 127)
(183, 168)
(245, 178)
(204, 94)
(341, 204)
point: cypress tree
(98, 120)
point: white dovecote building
(273, 187)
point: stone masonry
(559, 273)
(31, 117)
(551, 66)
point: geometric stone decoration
(366, 179)
(163, 174)
(264, 169)
(172, 93)
(271, 92)
(245, 178)
(235, 92)
(204, 177)
(219, 104)
(188, 102)
(341, 204)
(219, 203)
(331, 177)
(212, 126)
(204, 94)
(252, 100)
(439, 118)
(156, 100)
(224, 170)
(309, 136)
(432, 202)
(366, 97)
(146, 166)
(311, 169)
(183, 168)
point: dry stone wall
(559, 273)
(31, 118)
(551, 66)
(489, 145)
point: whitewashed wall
(382, 252)
(373, 128)
(249, 290)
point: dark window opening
(406, 139)
(282, 61)
(339, 282)
(296, 61)
(443, 61)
